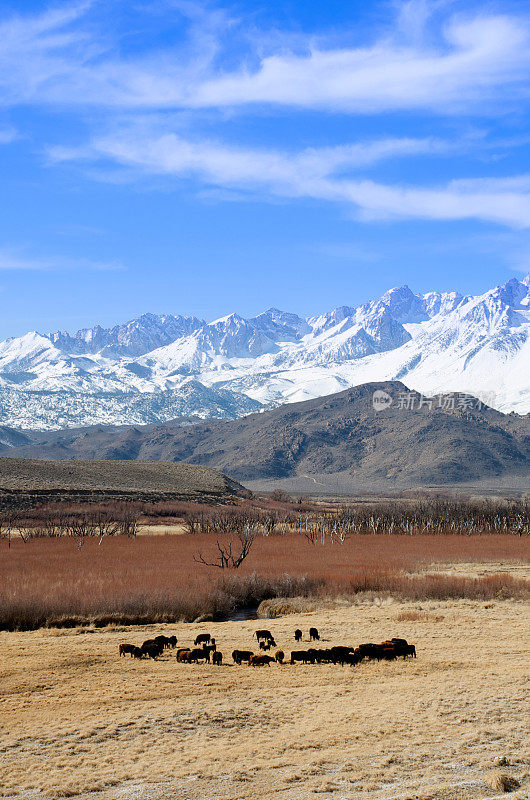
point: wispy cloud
(429, 60)
(319, 173)
(16, 260)
(8, 135)
(480, 61)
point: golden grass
(76, 719)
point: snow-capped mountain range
(160, 367)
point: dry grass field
(156, 579)
(78, 721)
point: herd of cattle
(205, 649)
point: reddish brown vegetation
(47, 581)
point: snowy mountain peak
(158, 366)
(133, 338)
(281, 326)
(403, 305)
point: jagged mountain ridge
(141, 371)
(338, 437)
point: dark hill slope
(128, 478)
(339, 434)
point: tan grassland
(78, 721)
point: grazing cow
(242, 655)
(202, 638)
(183, 655)
(173, 642)
(137, 652)
(400, 646)
(200, 653)
(368, 650)
(162, 641)
(313, 635)
(321, 656)
(217, 658)
(126, 648)
(302, 655)
(298, 635)
(264, 634)
(352, 659)
(261, 661)
(152, 650)
(339, 654)
(279, 656)
(265, 644)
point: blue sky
(200, 158)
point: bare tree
(229, 557)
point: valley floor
(78, 721)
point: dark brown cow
(261, 661)
(264, 634)
(217, 658)
(137, 652)
(183, 656)
(126, 648)
(279, 656)
(152, 650)
(202, 638)
(368, 650)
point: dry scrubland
(156, 579)
(75, 719)
(78, 721)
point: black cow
(198, 654)
(202, 638)
(264, 634)
(339, 654)
(313, 635)
(242, 655)
(302, 655)
(298, 635)
(217, 658)
(152, 650)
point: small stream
(242, 614)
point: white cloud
(8, 135)
(323, 174)
(16, 261)
(56, 58)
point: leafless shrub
(228, 557)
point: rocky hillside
(405, 440)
